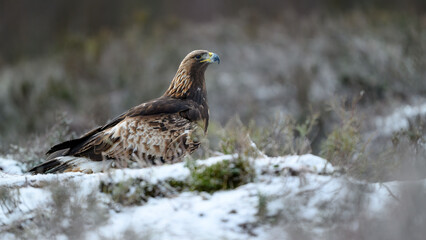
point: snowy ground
(303, 190)
(400, 117)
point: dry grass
(68, 214)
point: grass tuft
(67, 214)
(138, 191)
(9, 199)
(224, 175)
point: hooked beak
(212, 58)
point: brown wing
(93, 143)
(149, 140)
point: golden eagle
(160, 131)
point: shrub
(284, 135)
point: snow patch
(399, 119)
(10, 166)
(303, 188)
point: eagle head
(189, 79)
(201, 57)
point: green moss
(176, 185)
(224, 175)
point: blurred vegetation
(9, 200)
(340, 217)
(39, 28)
(67, 213)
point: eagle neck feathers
(189, 83)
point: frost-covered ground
(291, 190)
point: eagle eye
(198, 57)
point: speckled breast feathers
(152, 140)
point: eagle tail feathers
(73, 143)
(71, 164)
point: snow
(399, 119)
(10, 166)
(306, 189)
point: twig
(390, 192)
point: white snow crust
(300, 184)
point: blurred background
(333, 70)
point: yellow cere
(208, 59)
